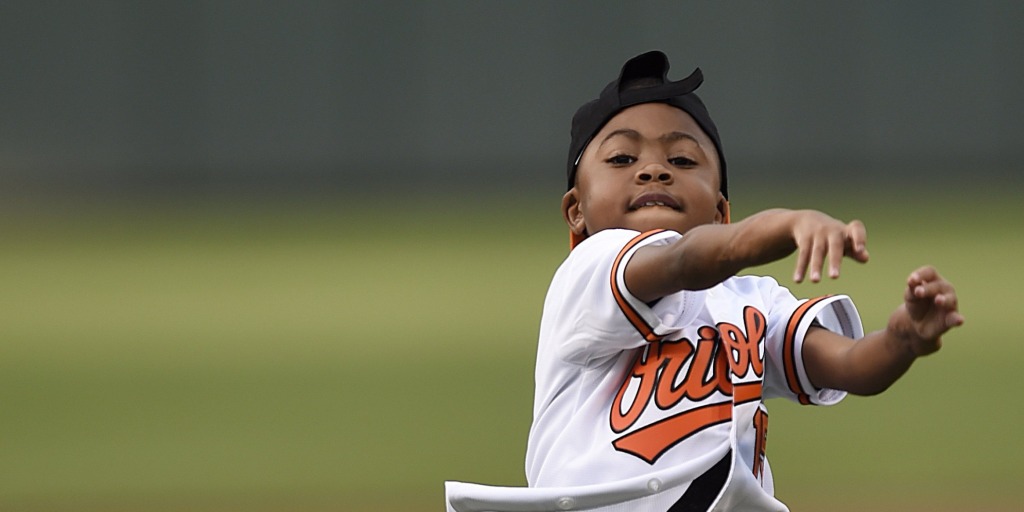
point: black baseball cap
(644, 79)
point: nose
(654, 172)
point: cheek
(596, 203)
(596, 210)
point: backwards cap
(644, 79)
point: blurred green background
(273, 257)
(325, 356)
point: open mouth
(654, 200)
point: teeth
(654, 203)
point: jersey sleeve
(594, 309)
(788, 325)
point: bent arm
(709, 254)
(872, 364)
(863, 367)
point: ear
(722, 213)
(572, 213)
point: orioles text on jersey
(666, 372)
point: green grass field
(323, 355)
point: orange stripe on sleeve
(789, 350)
(634, 317)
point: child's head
(645, 155)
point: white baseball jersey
(659, 407)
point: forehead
(653, 120)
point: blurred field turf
(324, 355)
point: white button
(654, 485)
(566, 503)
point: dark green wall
(378, 95)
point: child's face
(650, 167)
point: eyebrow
(635, 135)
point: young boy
(655, 358)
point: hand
(929, 309)
(818, 236)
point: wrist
(906, 337)
(764, 238)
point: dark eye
(681, 161)
(621, 160)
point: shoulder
(611, 248)
(603, 239)
(761, 292)
(751, 284)
(615, 240)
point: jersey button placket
(654, 485)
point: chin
(662, 220)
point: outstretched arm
(872, 364)
(710, 254)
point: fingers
(857, 236)
(810, 258)
(836, 251)
(923, 274)
(925, 283)
(819, 251)
(803, 257)
(830, 242)
(813, 253)
(954, 319)
(928, 291)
